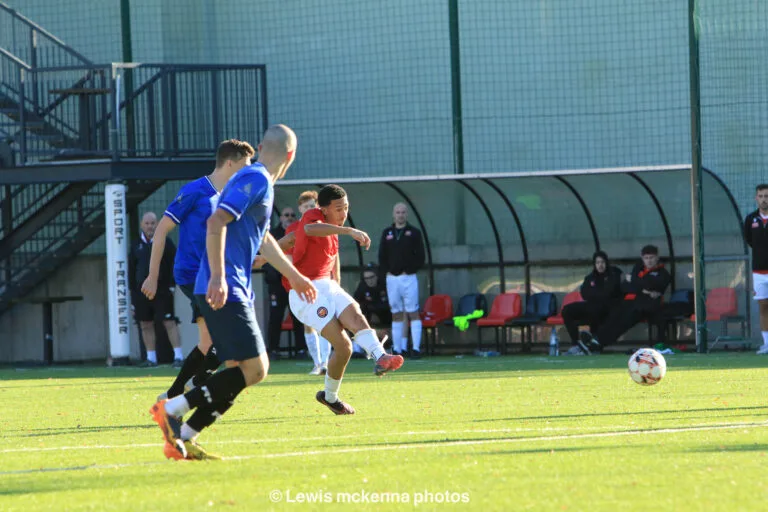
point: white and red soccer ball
(647, 367)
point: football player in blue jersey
(190, 210)
(236, 231)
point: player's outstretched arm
(275, 257)
(165, 226)
(322, 229)
(215, 240)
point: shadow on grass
(555, 451)
(731, 448)
(68, 431)
(61, 431)
(655, 412)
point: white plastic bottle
(554, 343)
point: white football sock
(403, 344)
(367, 339)
(765, 337)
(325, 351)
(331, 389)
(416, 334)
(313, 346)
(152, 356)
(177, 406)
(397, 336)
(177, 353)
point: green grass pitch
(509, 434)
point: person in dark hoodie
(644, 288)
(601, 292)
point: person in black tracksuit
(278, 296)
(146, 311)
(644, 289)
(401, 256)
(756, 236)
(601, 292)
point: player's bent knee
(397, 317)
(204, 345)
(413, 315)
(353, 319)
(255, 370)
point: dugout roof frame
(517, 204)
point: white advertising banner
(118, 291)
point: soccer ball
(647, 367)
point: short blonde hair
(307, 195)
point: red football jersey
(314, 256)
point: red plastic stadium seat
(568, 299)
(722, 306)
(505, 307)
(437, 309)
(287, 324)
(721, 302)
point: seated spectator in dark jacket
(644, 289)
(371, 294)
(601, 292)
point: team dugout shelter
(530, 232)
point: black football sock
(204, 416)
(192, 364)
(222, 387)
(210, 364)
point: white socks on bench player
(416, 335)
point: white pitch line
(471, 442)
(286, 439)
(422, 445)
(325, 438)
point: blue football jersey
(248, 197)
(190, 209)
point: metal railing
(20, 202)
(30, 258)
(88, 112)
(33, 44)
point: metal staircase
(71, 225)
(59, 111)
(28, 113)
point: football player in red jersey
(315, 244)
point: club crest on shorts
(322, 312)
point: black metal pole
(125, 26)
(697, 214)
(458, 129)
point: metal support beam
(499, 248)
(697, 213)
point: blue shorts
(234, 330)
(189, 291)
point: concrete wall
(80, 328)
